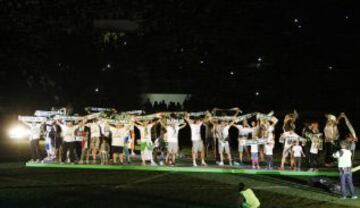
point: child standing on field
(297, 153)
(255, 156)
(269, 146)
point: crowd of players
(77, 139)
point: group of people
(96, 135)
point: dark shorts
(117, 150)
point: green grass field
(22, 186)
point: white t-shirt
(35, 132)
(95, 130)
(269, 149)
(172, 133)
(196, 132)
(290, 138)
(344, 160)
(118, 136)
(225, 131)
(297, 149)
(145, 132)
(314, 148)
(68, 133)
(105, 129)
(244, 131)
(77, 137)
(254, 148)
(271, 133)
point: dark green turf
(185, 169)
(22, 186)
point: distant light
(181, 50)
(125, 43)
(259, 59)
(201, 61)
(330, 67)
(299, 26)
(346, 17)
(257, 93)
(108, 66)
(96, 89)
(296, 20)
(231, 73)
(18, 132)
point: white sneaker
(203, 163)
(194, 164)
(221, 163)
(354, 197)
(153, 163)
(161, 163)
(230, 163)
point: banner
(42, 113)
(31, 119)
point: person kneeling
(248, 198)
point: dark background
(295, 54)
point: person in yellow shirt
(249, 200)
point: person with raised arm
(288, 138)
(351, 138)
(145, 139)
(68, 127)
(34, 137)
(95, 138)
(332, 135)
(223, 136)
(120, 131)
(315, 138)
(83, 135)
(197, 143)
(172, 127)
(245, 131)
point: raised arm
(349, 125)
(182, 125)
(162, 123)
(274, 121)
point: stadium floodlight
(18, 132)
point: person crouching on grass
(247, 198)
(297, 151)
(344, 164)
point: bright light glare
(18, 132)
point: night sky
(254, 54)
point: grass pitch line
(186, 169)
(142, 180)
(269, 187)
